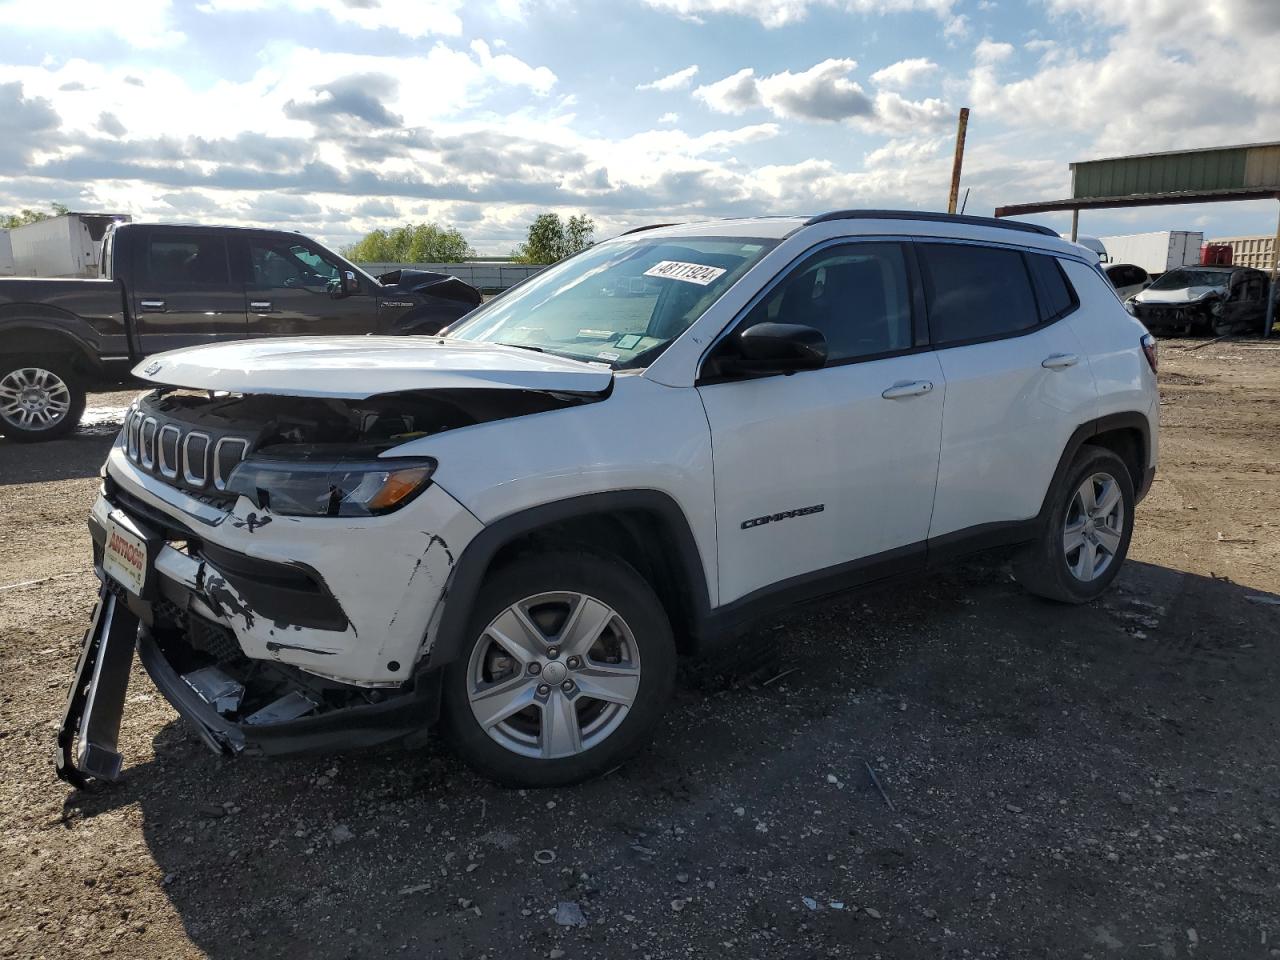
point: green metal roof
(1252, 166)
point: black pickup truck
(167, 286)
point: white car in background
(1128, 278)
(516, 528)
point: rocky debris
(569, 914)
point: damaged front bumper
(268, 635)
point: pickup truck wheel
(1086, 536)
(569, 666)
(41, 398)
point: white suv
(516, 528)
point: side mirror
(345, 285)
(781, 348)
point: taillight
(1151, 350)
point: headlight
(1131, 306)
(341, 488)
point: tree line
(548, 239)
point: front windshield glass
(619, 303)
(1181, 279)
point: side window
(975, 292)
(857, 295)
(187, 260)
(1053, 291)
(279, 263)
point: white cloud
(779, 13)
(669, 118)
(990, 51)
(146, 24)
(904, 73)
(672, 81)
(823, 93)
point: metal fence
(487, 276)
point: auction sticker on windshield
(124, 558)
(688, 272)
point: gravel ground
(1099, 781)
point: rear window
(1053, 292)
(975, 292)
(187, 260)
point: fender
(49, 324)
(468, 573)
(1132, 420)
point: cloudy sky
(337, 116)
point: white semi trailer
(65, 246)
(6, 255)
(1158, 251)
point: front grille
(195, 458)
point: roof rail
(652, 226)
(933, 217)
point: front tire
(41, 398)
(568, 666)
(1085, 537)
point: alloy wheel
(1094, 527)
(33, 398)
(553, 675)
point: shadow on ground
(1057, 781)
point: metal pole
(1271, 294)
(1075, 224)
(959, 161)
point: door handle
(909, 388)
(1059, 361)
(260, 306)
(152, 306)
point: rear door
(294, 289)
(183, 293)
(1018, 382)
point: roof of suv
(870, 221)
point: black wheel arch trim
(1132, 420)
(468, 573)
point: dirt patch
(1097, 781)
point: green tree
(412, 243)
(551, 239)
(25, 216)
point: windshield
(1180, 279)
(620, 303)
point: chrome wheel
(553, 675)
(1094, 527)
(32, 398)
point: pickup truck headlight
(342, 488)
(1131, 306)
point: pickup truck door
(183, 294)
(293, 289)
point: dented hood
(359, 367)
(1182, 295)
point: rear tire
(1085, 537)
(582, 674)
(41, 398)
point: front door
(831, 471)
(183, 295)
(294, 289)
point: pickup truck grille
(194, 458)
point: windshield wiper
(522, 346)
